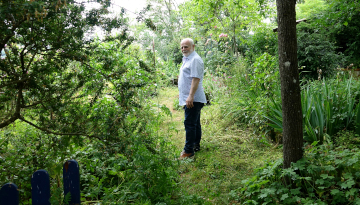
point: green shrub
(264, 40)
(128, 164)
(217, 56)
(344, 29)
(24, 150)
(215, 86)
(323, 176)
(316, 52)
(169, 71)
(252, 91)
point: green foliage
(217, 56)
(254, 90)
(347, 139)
(107, 110)
(264, 40)
(317, 54)
(133, 168)
(323, 176)
(141, 172)
(328, 106)
(338, 21)
(159, 29)
(216, 86)
(24, 150)
(46, 68)
(176, 104)
(340, 12)
(357, 120)
(234, 18)
(347, 39)
(309, 8)
(265, 76)
(168, 71)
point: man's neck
(189, 54)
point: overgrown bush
(140, 170)
(317, 54)
(264, 40)
(23, 150)
(217, 55)
(347, 39)
(252, 91)
(122, 160)
(215, 86)
(132, 165)
(343, 21)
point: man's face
(187, 48)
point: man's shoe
(184, 155)
(197, 148)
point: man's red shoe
(184, 155)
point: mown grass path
(228, 154)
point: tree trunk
(290, 86)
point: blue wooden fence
(40, 187)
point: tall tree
(234, 18)
(162, 25)
(51, 76)
(290, 86)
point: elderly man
(191, 96)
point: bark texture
(290, 86)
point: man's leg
(198, 132)
(192, 128)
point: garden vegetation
(110, 102)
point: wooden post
(40, 188)
(71, 176)
(9, 194)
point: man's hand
(190, 102)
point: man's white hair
(188, 39)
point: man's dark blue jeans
(192, 126)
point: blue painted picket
(9, 194)
(40, 187)
(72, 181)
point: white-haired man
(191, 96)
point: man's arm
(194, 86)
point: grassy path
(228, 156)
